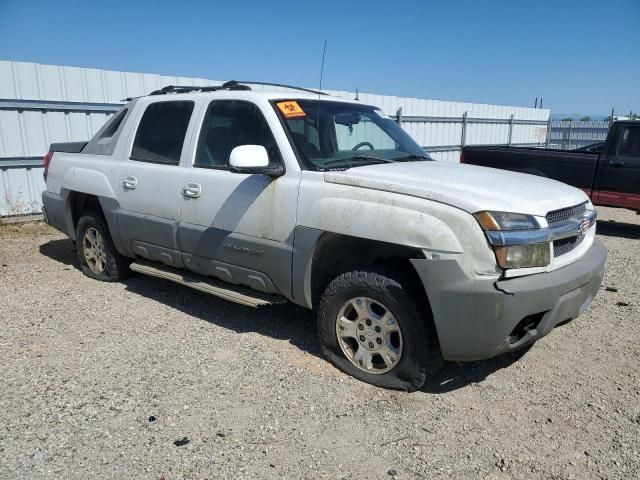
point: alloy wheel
(369, 335)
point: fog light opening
(524, 326)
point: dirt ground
(147, 379)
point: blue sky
(580, 56)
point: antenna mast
(324, 51)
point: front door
(237, 227)
(619, 175)
(149, 190)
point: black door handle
(616, 163)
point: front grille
(573, 216)
(564, 214)
(560, 247)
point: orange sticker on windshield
(291, 109)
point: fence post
(569, 136)
(548, 132)
(399, 116)
(463, 136)
(510, 129)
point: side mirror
(252, 159)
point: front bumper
(478, 318)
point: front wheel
(370, 327)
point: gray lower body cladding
(480, 318)
(54, 208)
(57, 209)
(264, 265)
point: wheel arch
(331, 254)
(79, 203)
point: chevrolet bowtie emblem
(584, 226)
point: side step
(227, 291)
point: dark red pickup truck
(611, 177)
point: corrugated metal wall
(26, 131)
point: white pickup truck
(261, 197)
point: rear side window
(113, 124)
(105, 140)
(161, 132)
(630, 142)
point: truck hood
(468, 187)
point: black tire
(116, 265)
(420, 359)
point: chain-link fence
(568, 135)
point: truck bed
(570, 167)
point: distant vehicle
(592, 148)
(263, 197)
(609, 172)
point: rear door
(237, 226)
(619, 175)
(149, 193)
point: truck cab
(617, 175)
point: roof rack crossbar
(193, 88)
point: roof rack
(230, 85)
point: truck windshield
(332, 135)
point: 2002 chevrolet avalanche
(260, 197)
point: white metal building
(44, 104)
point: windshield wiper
(413, 156)
(357, 157)
(370, 157)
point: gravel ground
(101, 380)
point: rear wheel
(371, 327)
(96, 253)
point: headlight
(523, 256)
(513, 247)
(505, 221)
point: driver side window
(228, 124)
